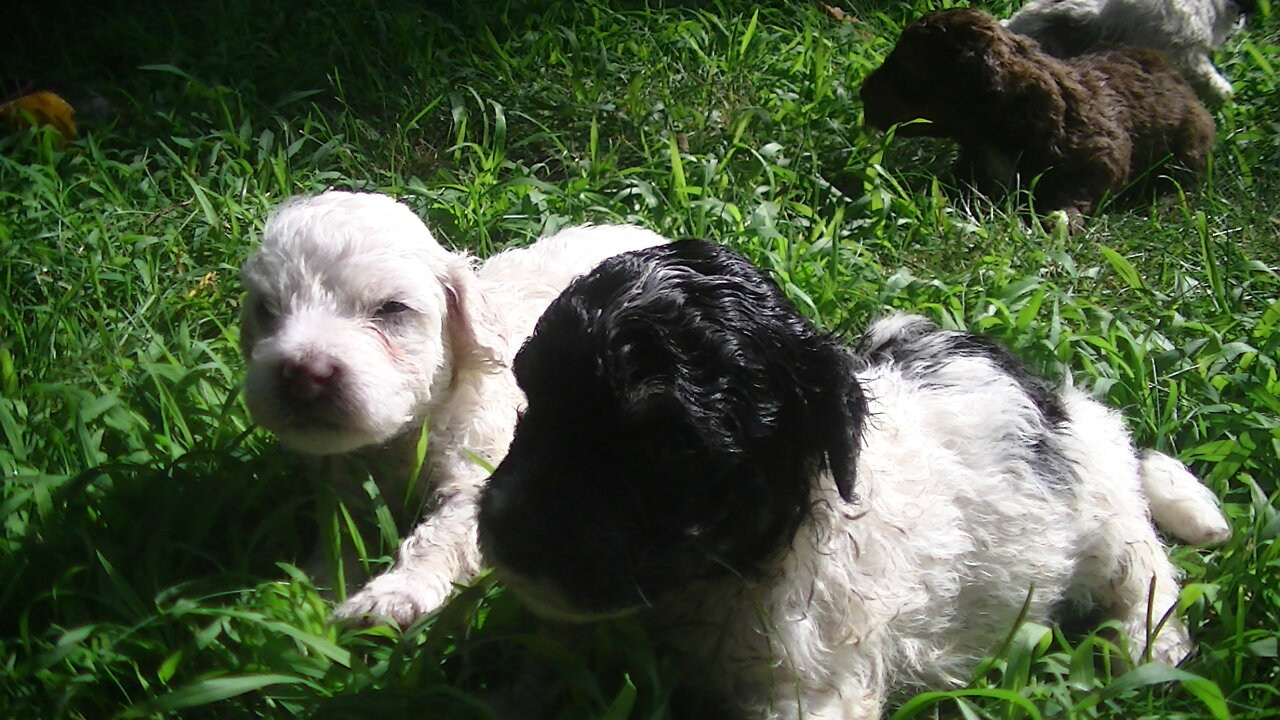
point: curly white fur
(1185, 31)
(359, 328)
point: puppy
(1074, 130)
(359, 330)
(815, 527)
(1186, 32)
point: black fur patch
(679, 411)
(919, 349)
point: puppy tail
(1180, 504)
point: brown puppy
(1085, 127)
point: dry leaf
(209, 281)
(836, 13)
(41, 108)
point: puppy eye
(391, 307)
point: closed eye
(391, 307)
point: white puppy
(359, 329)
(1185, 31)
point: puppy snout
(507, 535)
(310, 378)
(880, 107)
(495, 514)
(494, 502)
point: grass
(150, 533)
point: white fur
(1180, 504)
(1185, 31)
(326, 265)
(926, 574)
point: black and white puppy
(817, 526)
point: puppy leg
(847, 685)
(1072, 191)
(846, 705)
(1193, 141)
(1124, 570)
(1126, 574)
(1141, 590)
(820, 704)
(438, 553)
(1205, 78)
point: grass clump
(150, 534)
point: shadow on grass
(123, 534)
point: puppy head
(949, 67)
(352, 322)
(1232, 15)
(680, 411)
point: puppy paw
(1209, 84)
(1222, 90)
(398, 598)
(1064, 222)
(1172, 646)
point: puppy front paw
(1220, 88)
(1172, 645)
(1209, 84)
(1064, 222)
(395, 597)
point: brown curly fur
(1086, 126)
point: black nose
(310, 378)
(495, 519)
(512, 534)
(494, 502)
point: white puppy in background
(1185, 31)
(359, 329)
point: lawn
(151, 533)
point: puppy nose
(494, 504)
(500, 525)
(309, 378)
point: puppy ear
(467, 323)
(1022, 86)
(249, 323)
(844, 407)
(1034, 102)
(986, 58)
(254, 313)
